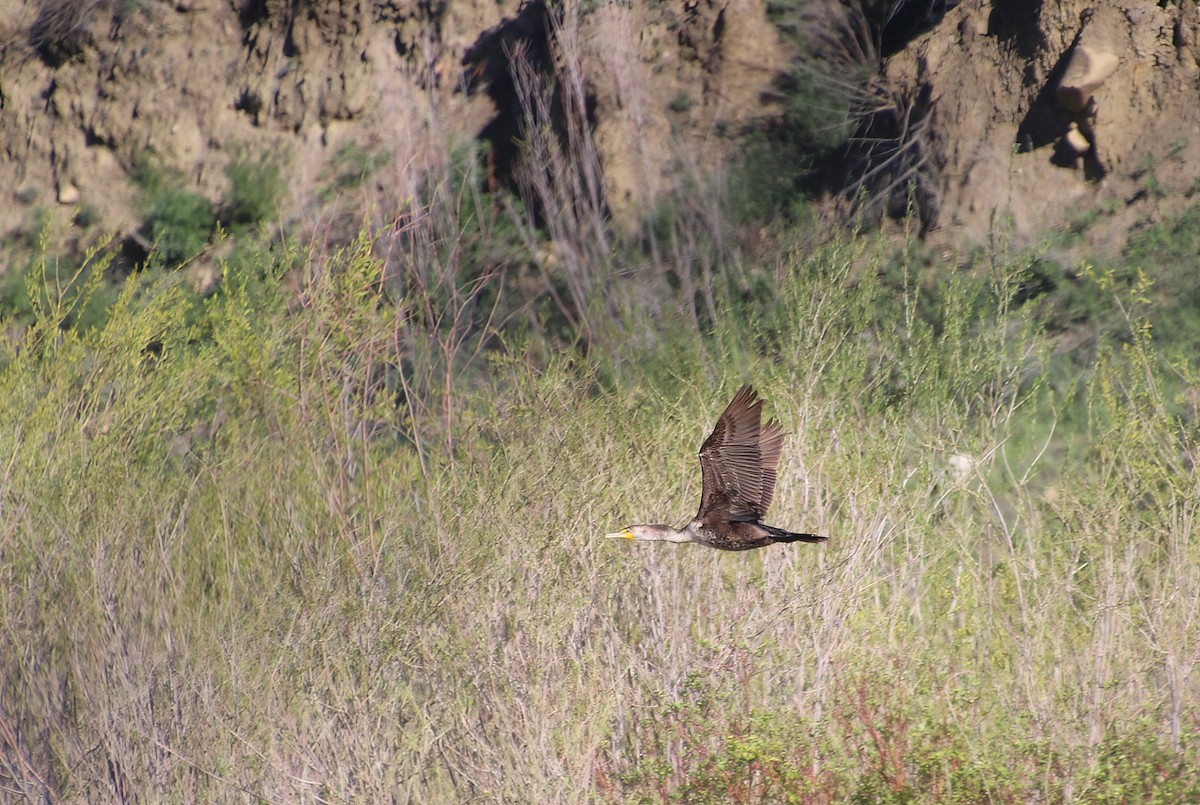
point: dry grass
(61, 28)
(233, 567)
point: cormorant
(738, 460)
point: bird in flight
(738, 460)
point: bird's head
(624, 533)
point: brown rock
(1076, 140)
(1086, 71)
(68, 193)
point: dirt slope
(88, 94)
(198, 83)
(1005, 167)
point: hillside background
(335, 336)
(362, 100)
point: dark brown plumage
(738, 460)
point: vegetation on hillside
(250, 550)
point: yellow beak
(626, 534)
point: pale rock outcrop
(1086, 71)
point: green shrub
(1137, 766)
(31, 234)
(255, 187)
(179, 224)
(305, 520)
(351, 164)
(86, 216)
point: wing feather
(738, 461)
(770, 445)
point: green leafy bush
(255, 187)
(179, 224)
(350, 165)
(412, 548)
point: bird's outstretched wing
(738, 460)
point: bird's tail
(779, 535)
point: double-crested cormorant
(738, 461)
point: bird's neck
(692, 530)
(665, 533)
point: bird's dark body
(745, 536)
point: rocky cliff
(1029, 115)
(92, 89)
(970, 115)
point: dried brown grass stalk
(897, 157)
(60, 27)
(560, 175)
(18, 775)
